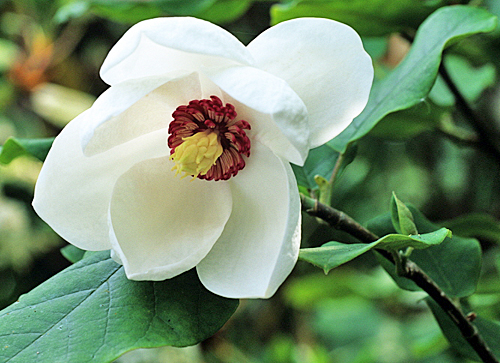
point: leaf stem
(410, 270)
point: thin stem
(409, 270)
(336, 168)
(477, 123)
(457, 134)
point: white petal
(158, 46)
(133, 108)
(260, 243)
(73, 191)
(278, 116)
(164, 225)
(325, 64)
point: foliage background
(50, 54)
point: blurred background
(50, 54)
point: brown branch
(411, 270)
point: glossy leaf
(454, 264)
(371, 18)
(489, 330)
(334, 254)
(92, 312)
(13, 148)
(412, 80)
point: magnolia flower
(185, 160)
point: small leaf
(412, 80)
(489, 330)
(421, 241)
(401, 216)
(334, 254)
(325, 189)
(320, 161)
(92, 312)
(13, 148)
(453, 264)
(72, 253)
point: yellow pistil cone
(197, 154)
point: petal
(163, 225)
(277, 115)
(157, 46)
(73, 191)
(325, 64)
(260, 243)
(133, 108)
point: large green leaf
(412, 80)
(132, 11)
(92, 312)
(405, 124)
(454, 264)
(371, 18)
(489, 330)
(334, 254)
(13, 148)
(478, 225)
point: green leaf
(72, 253)
(128, 12)
(401, 216)
(470, 81)
(412, 80)
(479, 225)
(420, 241)
(409, 123)
(334, 254)
(225, 11)
(10, 52)
(92, 312)
(489, 330)
(184, 7)
(454, 264)
(136, 10)
(371, 18)
(13, 148)
(320, 161)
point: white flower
(110, 181)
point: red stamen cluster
(211, 114)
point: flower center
(206, 141)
